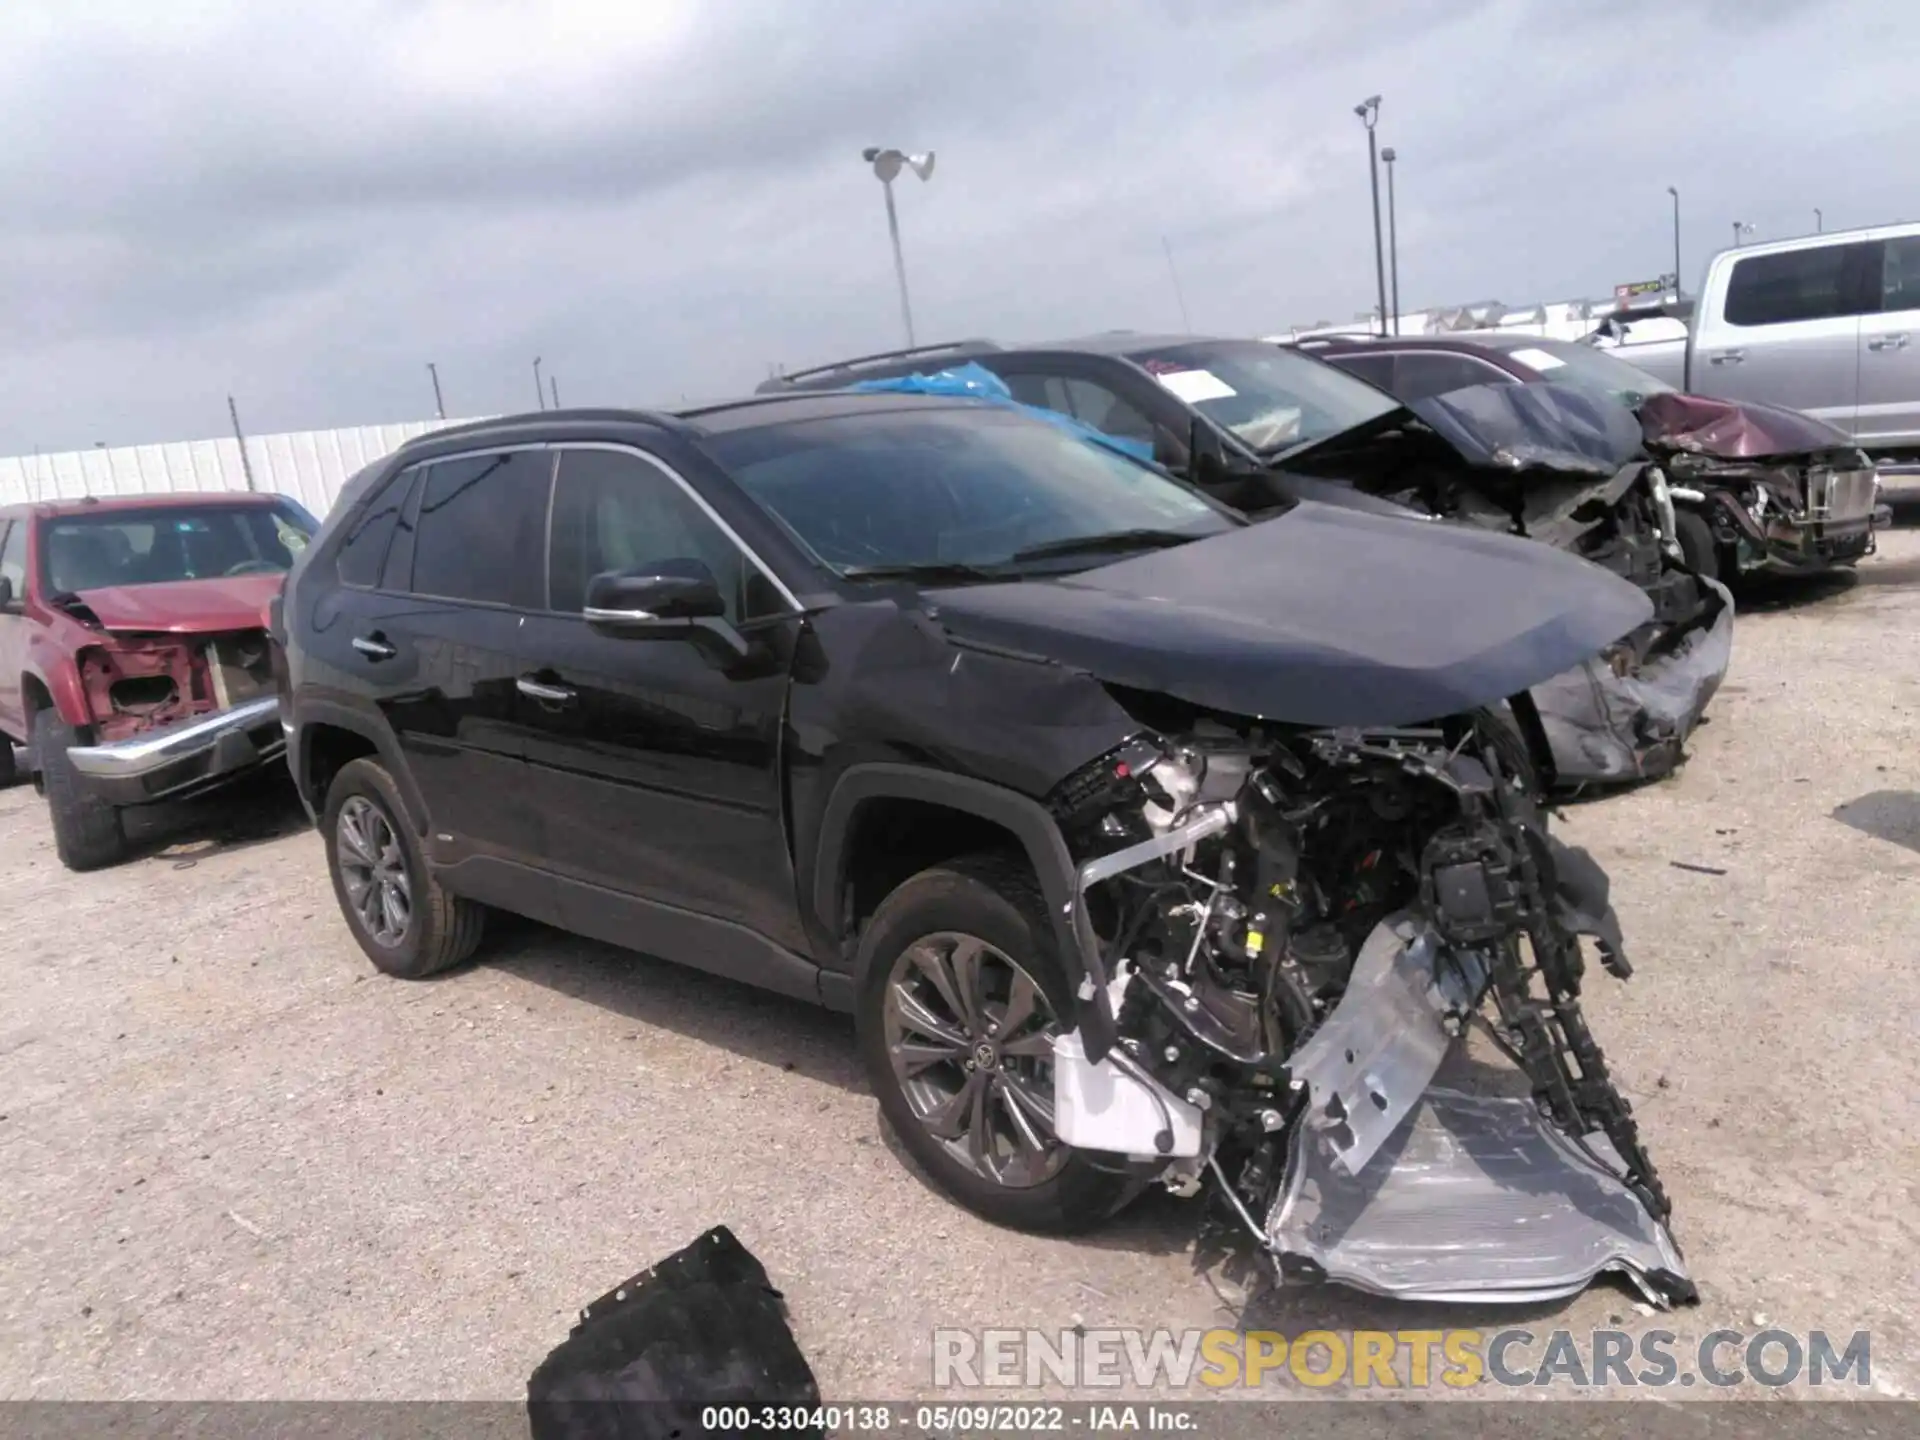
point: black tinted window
(1900, 274)
(363, 548)
(1417, 376)
(616, 512)
(1813, 284)
(480, 525)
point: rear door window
(1900, 274)
(480, 529)
(1818, 283)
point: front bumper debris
(1608, 728)
(1474, 1198)
(184, 758)
(1402, 1186)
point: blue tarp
(975, 382)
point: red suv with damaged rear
(134, 663)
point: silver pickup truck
(1825, 324)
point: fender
(1027, 820)
(345, 717)
(54, 669)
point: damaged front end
(1781, 492)
(1296, 944)
(1564, 468)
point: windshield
(964, 485)
(1273, 399)
(159, 545)
(1563, 362)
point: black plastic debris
(672, 1351)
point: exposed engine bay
(1287, 936)
(140, 682)
(1779, 491)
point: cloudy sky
(301, 205)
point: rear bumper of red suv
(186, 757)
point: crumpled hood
(1320, 616)
(185, 607)
(1507, 428)
(1544, 425)
(1735, 429)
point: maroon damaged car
(1754, 488)
(134, 663)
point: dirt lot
(236, 1163)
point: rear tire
(406, 921)
(1697, 545)
(87, 833)
(985, 906)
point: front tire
(1697, 545)
(87, 833)
(409, 924)
(963, 991)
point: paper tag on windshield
(1538, 359)
(1193, 386)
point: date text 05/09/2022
(970, 1419)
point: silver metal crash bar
(1209, 820)
(139, 754)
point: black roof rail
(950, 347)
(666, 420)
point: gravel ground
(236, 1163)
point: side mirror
(668, 600)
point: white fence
(309, 465)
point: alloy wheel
(373, 867)
(970, 1034)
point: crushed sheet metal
(1368, 1065)
(1476, 1198)
(1603, 727)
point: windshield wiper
(1100, 544)
(932, 572)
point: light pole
(1369, 112)
(553, 386)
(1393, 238)
(1740, 227)
(439, 405)
(538, 393)
(886, 165)
(1819, 221)
(1678, 292)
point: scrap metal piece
(1368, 1065)
(1476, 1198)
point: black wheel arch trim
(342, 717)
(1025, 819)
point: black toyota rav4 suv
(1084, 795)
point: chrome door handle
(1727, 357)
(373, 647)
(1888, 342)
(545, 694)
